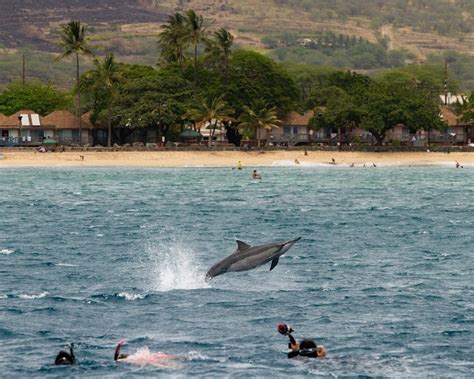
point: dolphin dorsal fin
(242, 245)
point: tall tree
(196, 32)
(103, 80)
(74, 41)
(211, 111)
(172, 39)
(218, 49)
(259, 115)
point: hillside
(412, 29)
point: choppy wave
(174, 267)
(131, 296)
(7, 251)
(34, 296)
(65, 265)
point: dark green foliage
(35, 96)
(377, 106)
(253, 76)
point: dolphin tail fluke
(274, 264)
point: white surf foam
(65, 265)
(174, 267)
(131, 296)
(34, 296)
(7, 251)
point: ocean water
(382, 277)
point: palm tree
(104, 80)
(219, 49)
(196, 33)
(259, 115)
(74, 41)
(172, 39)
(212, 111)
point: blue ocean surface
(382, 277)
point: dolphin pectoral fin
(241, 246)
(274, 264)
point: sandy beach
(9, 158)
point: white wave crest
(29, 297)
(175, 268)
(131, 296)
(7, 251)
(3, 297)
(65, 265)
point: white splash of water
(144, 356)
(7, 251)
(131, 296)
(30, 297)
(174, 267)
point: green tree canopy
(41, 98)
(253, 76)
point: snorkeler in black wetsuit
(305, 348)
(65, 358)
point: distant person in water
(65, 358)
(144, 356)
(255, 175)
(458, 165)
(305, 348)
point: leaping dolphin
(247, 257)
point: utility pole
(23, 76)
(445, 80)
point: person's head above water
(117, 355)
(308, 348)
(65, 358)
(305, 348)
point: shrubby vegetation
(441, 16)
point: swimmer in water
(255, 175)
(304, 348)
(144, 356)
(65, 358)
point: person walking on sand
(239, 165)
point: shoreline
(190, 159)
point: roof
(3, 120)
(295, 118)
(451, 118)
(14, 119)
(65, 120)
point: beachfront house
(28, 128)
(65, 127)
(25, 127)
(292, 131)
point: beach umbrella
(189, 134)
(49, 141)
